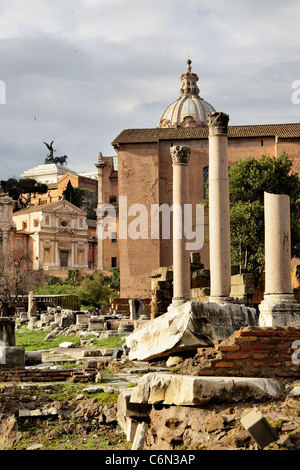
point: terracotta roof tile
(283, 131)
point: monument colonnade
(279, 306)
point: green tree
(23, 190)
(94, 291)
(72, 277)
(248, 180)
(82, 198)
(113, 280)
(73, 195)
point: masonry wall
(145, 176)
(138, 169)
(257, 352)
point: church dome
(189, 110)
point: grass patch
(34, 340)
(104, 398)
(114, 341)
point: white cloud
(80, 71)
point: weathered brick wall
(257, 352)
(27, 375)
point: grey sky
(80, 71)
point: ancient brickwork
(29, 375)
(256, 352)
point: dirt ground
(87, 420)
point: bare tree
(17, 278)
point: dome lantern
(189, 110)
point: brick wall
(27, 375)
(256, 352)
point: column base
(279, 310)
(176, 302)
(221, 300)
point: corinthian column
(219, 216)
(100, 167)
(181, 260)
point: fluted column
(181, 260)
(219, 215)
(100, 167)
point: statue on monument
(50, 159)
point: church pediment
(66, 232)
(64, 207)
(69, 208)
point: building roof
(131, 136)
(45, 207)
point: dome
(189, 110)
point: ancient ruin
(279, 306)
(219, 219)
(195, 360)
(181, 261)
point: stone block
(82, 319)
(52, 411)
(14, 357)
(131, 429)
(131, 409)
(46, 319)
(140, 436)
(67, 344)
(188, 327)
(96, 324)
(7, 331)
(168, 389)
(33, 357)
(259, 428)
(163, 273)
(68, 320)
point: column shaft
(181, 259)
(279, 307)
(219, 215)
(100, 167)
(277, 244)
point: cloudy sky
(80, 71)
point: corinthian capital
(180, 155)
(217, 123)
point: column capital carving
(217, 123)
(101, 162)
(180, 155)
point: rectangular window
(114, 262)
(64, 259)
(24, 225)
(36, 222)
